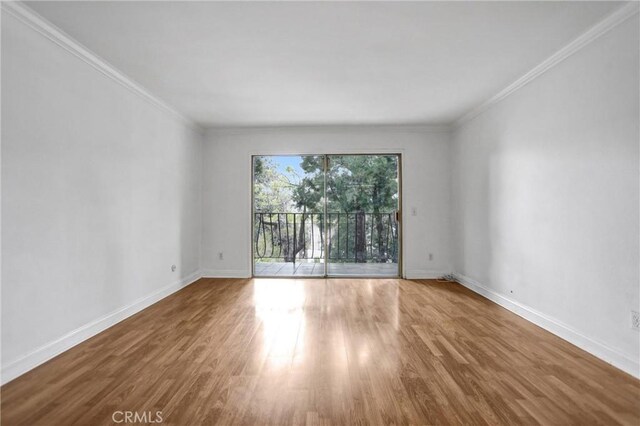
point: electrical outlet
(430, 256)
(173, 268)
(635, 320)
(221, 255)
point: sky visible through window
(283, 162)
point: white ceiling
(282, 63)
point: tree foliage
(272, 191)
(354, 183)
(366, 183)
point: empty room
(320, 213)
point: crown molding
(36, 22)
(596, 31)
(329, 127)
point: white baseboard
(411, 274)
(424, 274)
(79, 335)
(225, 273)
(598, 349)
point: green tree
(307, 196)
(272, 200)
(364, 184)
(271, 189)
(358, 185)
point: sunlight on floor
(279, 306)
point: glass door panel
(362, 203)
(288, 219)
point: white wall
(102, 192)
(100, 196)
(227, 188)
(545, 197)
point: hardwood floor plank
(324, 352)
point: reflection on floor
(282, 269)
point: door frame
(326, 155)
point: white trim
(608, 23)
(36, 22)
(80, 334)
(424, 274)
(598, 349)
(225, 273)
(329, 128)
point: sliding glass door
(362, 204)
(326, 215)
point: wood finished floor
(316, 351)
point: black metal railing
(351, 237)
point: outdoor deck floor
(282, 269)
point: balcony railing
(352, 237)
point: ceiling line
(415, 127)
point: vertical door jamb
(325, 169)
